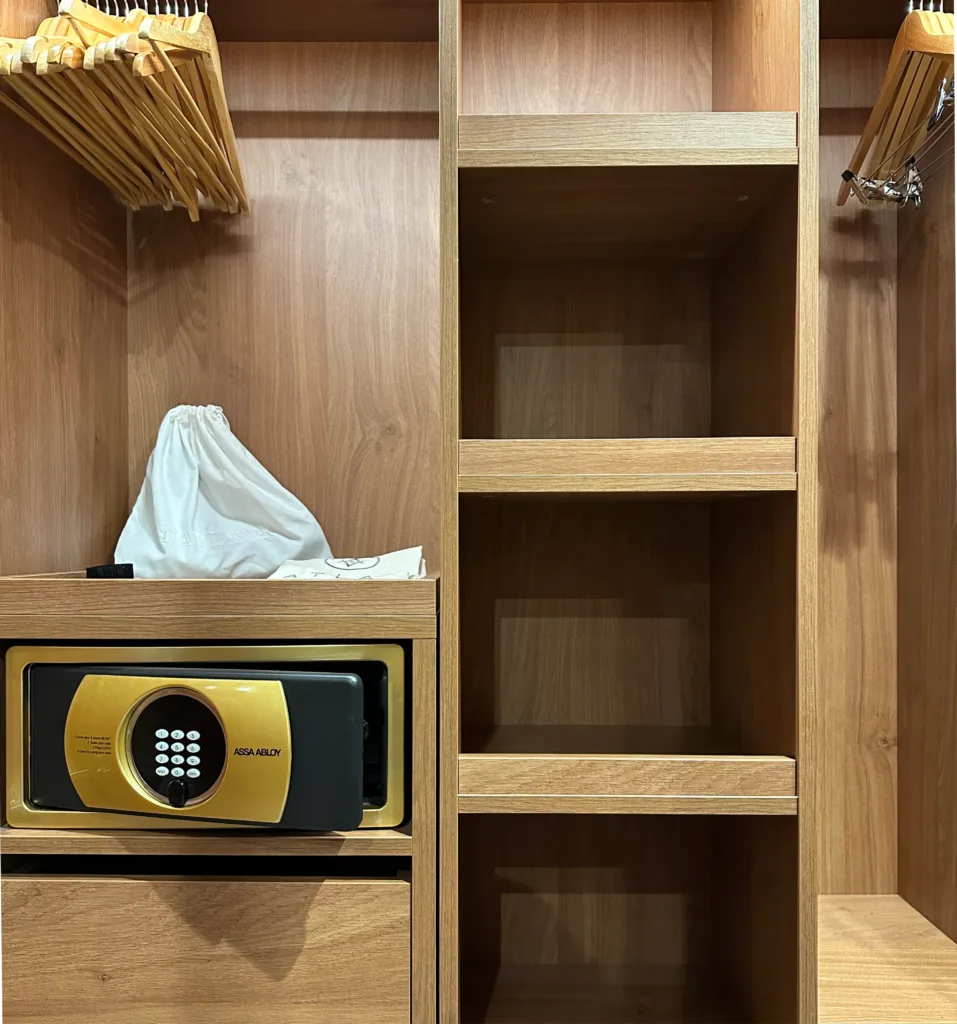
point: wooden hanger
(923, 56)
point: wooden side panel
(757, 50)
(584, 613)
(313, 322)
(424, 833)
(928, 556)
(753, 653)
(753, 342)
(122, 951)
(587, 350)
(585, 58)
(63, 492)
(857, 713)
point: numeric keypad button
(162, 746)
(162, 770)
(193, 748)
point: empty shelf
(654, 139)
(881, 962)
(715, 465)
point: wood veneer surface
(314, 321)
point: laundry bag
(208, 508)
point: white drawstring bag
(208, 509)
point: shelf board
(881, 962)
(627, 140)
(544, 803)
(574, 994)
(64, 607)
(715, 465)
(187, 842)
(625, 775)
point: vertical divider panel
(449, 715)
(424, 827)
(756, 54)
(808, 525)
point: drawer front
(127, 951)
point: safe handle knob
(176, 794)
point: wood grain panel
(424, 836)
(754, 323)
(771, 134)
(857, 713)
(846, 19)
(586, 350)
(122, 951)
(636, 804)
(757, 54)
(449, 703)
(882, 962)
(251, 843)
(63, 490)
(629, 457)
(927, 574)
(313, 321)
(555, 633)
(632, 775)
(753, 642)
(582, 58)
(648, 483)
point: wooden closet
(558, 289)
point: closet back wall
(312, 321)
(63, 494)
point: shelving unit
(630, 476)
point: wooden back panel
(927, 615)
(580, 58)
(313, 322)
(63, 494)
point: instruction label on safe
(95, 746)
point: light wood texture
(809, 619)
(857, 706)
(61, 609)
(927, 574)
(449, 704)
(574, 214)
(424, 834)
(62, 350)
(125, 951)
(757, 55)
(497, 803)
(623, 140)
(360, 843)
(632, 775)
(314, 322)
(328, 20)
(622, 457)
(583, 58)
(649, 483)
(883, 963)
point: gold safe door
(299, 736)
